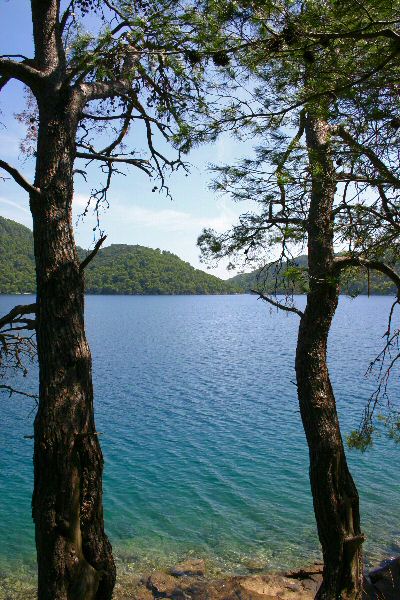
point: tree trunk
(74, 555)
(335, 496)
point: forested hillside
(17, 271)
(117, 269)
(294, 279)
(123, 269)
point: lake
(204, 449)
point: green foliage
(337, 61)
(275, 278)
(335, 64)
(293, 278)
(361, 440)
(17, 271)
(391, 422)
(117, 269)
(123, 269)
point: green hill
(17, 271)
(123, 269)
(116, 269)
(294, 280)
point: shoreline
(190, 580)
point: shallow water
(204, 449)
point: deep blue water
(204, 449)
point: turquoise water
(204, 449)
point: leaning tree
(299, 207)
(86, 92)
(325, 176)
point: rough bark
(74, 555)
(335, 496)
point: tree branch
(357, 34)
(93, 253)
(331, 92)
(294, 142)
(272, 220)
(369, 153)
(116, 11)
(20, 179)
(3, 81)
(65, 16)
(136, 162)
(16, 312)
(390, 215)
(23, 71)
(103, 90)
(104, 117)
(291, 309)
(110, 89)
(342, 262)
(121, 116)
(123, 132)
(12, 390)
(355, 178)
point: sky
(136, 215)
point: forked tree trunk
(74, 555)
(335, 496)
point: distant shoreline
(372, 294)
(122, 269)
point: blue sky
(136, 215)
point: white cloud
(167, 228)
(16, 212)
(14, 205)
(223, 150)
(165, 219)
(80, 201)
(170, 220)
(226, 218)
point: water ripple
(204, 449)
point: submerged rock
(255, 566)
(254, 587)
(191, 568)
(138, 592)
(301, 584)
(162, 584)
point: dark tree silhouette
(129, 73)
(325, 177)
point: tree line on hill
(117, 269)
(291, 277)
(137, 270)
